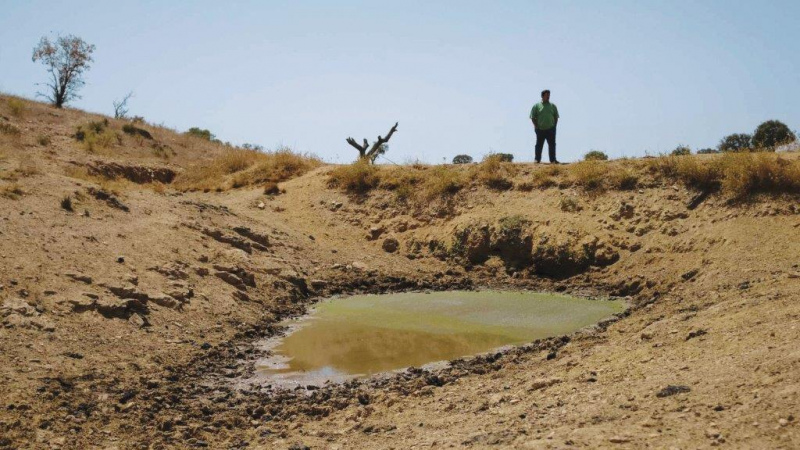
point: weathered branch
(376, 148)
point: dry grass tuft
(441, 181)
(738, 175)
(11, 191)
(357, 178)
(7, 129)
(238, 168)
(589, 175)
(16, 107)
(494, 173)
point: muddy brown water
(368, 334)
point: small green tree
(462, 159)
(681, 150)
(201, 133)
(595, 155)
(736, 142)
(66, 59)
(707, 151)
(771, 134)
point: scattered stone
(120, 259)
(673, 389)
(261, 205)
(375, 232)
(690, 274)
(696, 333)
(137, 321)
(390, 245)
(619, 440)
(108, 197)
(543, 383)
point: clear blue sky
(629, 77)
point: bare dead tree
(66, 59)
(365, 152)
(121, 106)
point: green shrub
(681, 150)
(462, 159)
(736, 142)
(595, 155)
(771, 134)
(503, 157)
(200, 133)
(707, 151)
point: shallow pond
(368, 334)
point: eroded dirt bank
(127, 320)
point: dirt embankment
(129, 311)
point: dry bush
(96, 135)
(9, 130)
(11, 191)
(357, 178)
(623, 179)
(43, 140)
(238, 168)
(738, 175)
(589, 175)
(441, 181)
(494, 173)
(744, 174)
(546, 177)
(16, 107)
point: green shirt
(545, 115)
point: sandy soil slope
(128, 322)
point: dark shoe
(554, 162)
(537, 161)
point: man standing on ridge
(544, 116)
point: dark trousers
(550, 137)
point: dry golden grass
(237, 168)
(357, 178)
(737, 175)
(493, 173)
(589, 175)
(16, 107)
(441, 181)
(11, 191)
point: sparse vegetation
(16, 107)
(121, 106)
(494, 172)
(66, 204)
(237, 168)
(357, 178)
(681, 150)
(96, 135)
(66, 59)
(707, 151)
(738, 175)
(200, 133)
(9, 130)
(595, 155)
(11, 191)
(589, 175)
(569, 204)
(43, 140)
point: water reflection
(363, 335)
